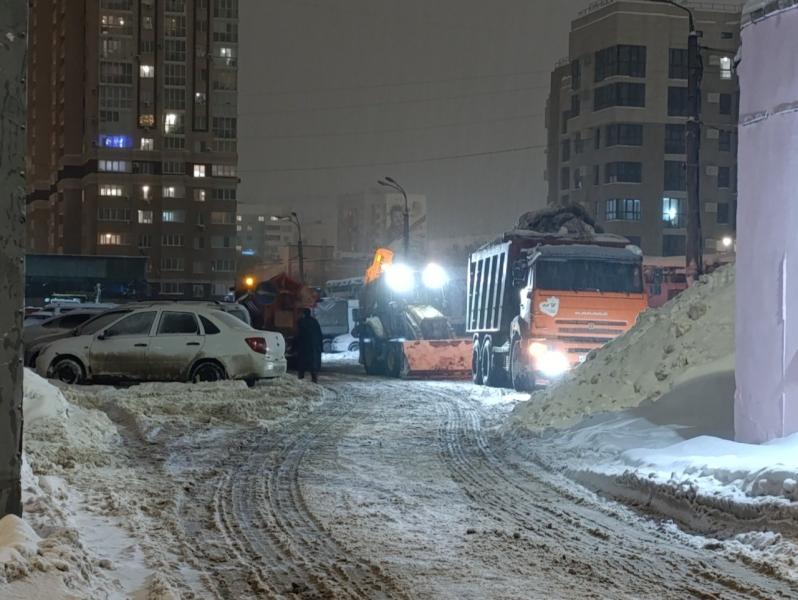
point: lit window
(146, 120)
(200, 195)
(174, 216)
(199, 170)
(673, 212)
(171, 191)
(111, 190)
(261, 219)
(239, 218)
(111, 239)
(725, 67)
(114, 166)
(145, 217)
(147, 144)
(169, 122)
(146, 71)
(145, 192)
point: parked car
(167, 342)
(345, 343)
(37, 336)
(59, 308)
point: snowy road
(392, 489)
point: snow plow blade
(441, 359)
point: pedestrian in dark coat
(308, 343)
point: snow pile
(713, 466)
(60, 435)
(687, 338)
(155, 409)
(340, 358)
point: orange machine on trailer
(538, 303)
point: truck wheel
(395, 361)
(476, 364)
(489, 375)
(369, 353)
(518, 372)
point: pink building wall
(766, 402)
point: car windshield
(229, 320)
(589, 276)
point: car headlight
(399, 278)
(553, 364)
(434, 276)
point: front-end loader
(402, 331)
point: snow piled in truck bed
(692, 331)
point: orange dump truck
(402, 331)
(539, 303)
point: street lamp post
(294, 218)
(391, 183)
(695, 72)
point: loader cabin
(539, 304)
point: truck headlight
(553, 364)
(399, 278)
(434, 276)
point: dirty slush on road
(366, 488)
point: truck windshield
(333, 316)
(589, 276)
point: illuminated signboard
(116, 141)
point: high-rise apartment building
(132, 136)
(616, 121)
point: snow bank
(716, 465)
(42, 400)
(60, 435)
(340, 358)
(668, 347)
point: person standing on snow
(308, 345)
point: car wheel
(354, 347)
(326, 346)
(395, 361)
(67, 370)
(519, 374)
(476, 364)
(370, 353)
(207, 372)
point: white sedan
(345, 343)
(167, 342)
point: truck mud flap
(440, 359)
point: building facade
(262, 238)
(132, 136)
(617, 114)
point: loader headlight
(399, 278)
(553, 364)
(434, 276)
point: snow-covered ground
(91, 501)
(649, 420)
(340, 358)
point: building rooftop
(707, 6)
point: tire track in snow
(571, 521)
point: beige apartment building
(616, 121)
(132, 145)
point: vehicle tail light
(258, 344)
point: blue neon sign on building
(116, 141)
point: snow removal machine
(544, 296)
(402, 330)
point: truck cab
(573, 299)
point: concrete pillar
(13, 47)
(766, 401)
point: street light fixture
(294, 218)
(390, 182)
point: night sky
(335, 94)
